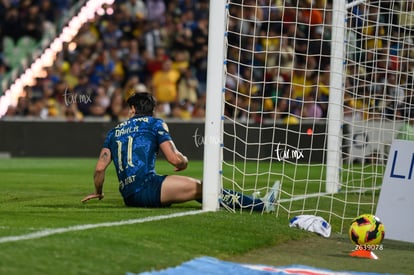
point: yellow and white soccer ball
(366, 229)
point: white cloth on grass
(312, 223)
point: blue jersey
(134, 146)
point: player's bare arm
(174, 156)
(99, 176)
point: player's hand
(176, 169)
(182, 166)
(93, 196)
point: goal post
(336, 97)
(309, 93)
(214, 105)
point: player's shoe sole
(271, 197)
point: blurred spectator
(133, 62)
(311, 107)
(12, 25)
(47, 9)
(200, 48)
(270, 37)
(199, 109)
(32, 23)
(72, 113)
(156, 10)
(372, 35)
(200, 32)
(187, 87)
(59, 91)
(38, 108)
(182, 39)
(132, 48)
(153, 38)
(301, 81)
(154, 64)
(82, 95)
(164, 84)
(136, 8)
(22, 107)
(71, 74)
(100, 102)
(3, 70)
(406, 18)
(104, 66)
(182, 110)
(110, 34)
(88, 35)
(289, 18)
(117, 107)
(311, 18)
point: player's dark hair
(144, 103)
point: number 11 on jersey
(129, 154)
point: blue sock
(236, 200)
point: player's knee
(199, 192)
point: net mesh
(278, 70)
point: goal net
(313, 93)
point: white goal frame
(213, 139)
(214, 106)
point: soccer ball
(366, 229)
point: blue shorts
(149, 195)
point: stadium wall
(84, 139)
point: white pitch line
(48, 232)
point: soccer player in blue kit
(133, 146)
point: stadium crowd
(154, 45)
(161, 47)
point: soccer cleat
(270, 198)
(229, 200)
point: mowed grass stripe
(49, 232)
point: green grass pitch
(39, 195)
